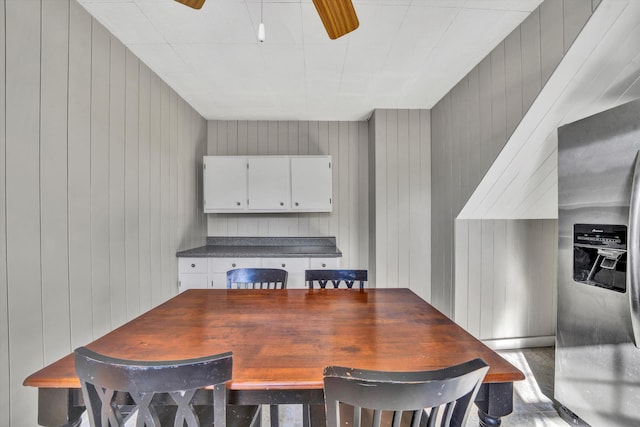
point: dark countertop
(280, 247)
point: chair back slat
(257, 278)
(104, 378)
(397, 399)
(335, 278)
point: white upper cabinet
(268, 183)
(311, 183)
(252, 184)
(225, 183)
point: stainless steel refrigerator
(597, 373)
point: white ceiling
(405, 54)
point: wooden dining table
(281, 342)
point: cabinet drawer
(222, 265)
(320, 263)
(192, 265)
(289, 264)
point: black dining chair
(359, 398)
(257, 278)
(335, 278)
(159, 393)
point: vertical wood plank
(486, 115)
(500, 257)
(381, 202)
(79, 165)
(475, 144)
(551, 33)
(513, 78)
(426, 195)
(486, 278)
(100, 68)
(475, 275)
(24, 293)
(53, 179)
(393, 225)
(116, 184)
(177, 120)
(155, 189)
(333, 145)
(498, 100)
(144, 188)
(5, 394)
(417, 251)
(351, 222)
(342, 215)
(164, 147)
(461, 290)
(402, 280)
(363, 186)
(531, 61)
(131, 185)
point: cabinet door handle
(324, 265)
(233, 265)
(297, 204)
(238, 203)
(193, 266)
(281, 203)
(284, 265)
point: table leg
(494, 401)
(57, 407)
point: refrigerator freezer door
(633, 274)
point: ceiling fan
(338, 16)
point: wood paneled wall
(400, 204)
(99, 189)
(346, 142)
(474, 120)
(505, 278)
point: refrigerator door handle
(633, 252)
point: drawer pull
(238, 203)
(233, 264)
(281, 203)
(284, 265)
(193, 265)
(297, 204)
(324, 265)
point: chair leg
(275, 415)
(306, 416)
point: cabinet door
(311, 184)
(192, 281)
(268, 183)
(225, 183)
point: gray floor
(533, 404)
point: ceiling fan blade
(196, 4)
(338, 16)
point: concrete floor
(533, 398)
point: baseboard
(525, 342)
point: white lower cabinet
(218, 268)
(294, 266)
(201, 273)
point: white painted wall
(346, 142)
(400, 204)
(471, 125)
(99, 188)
